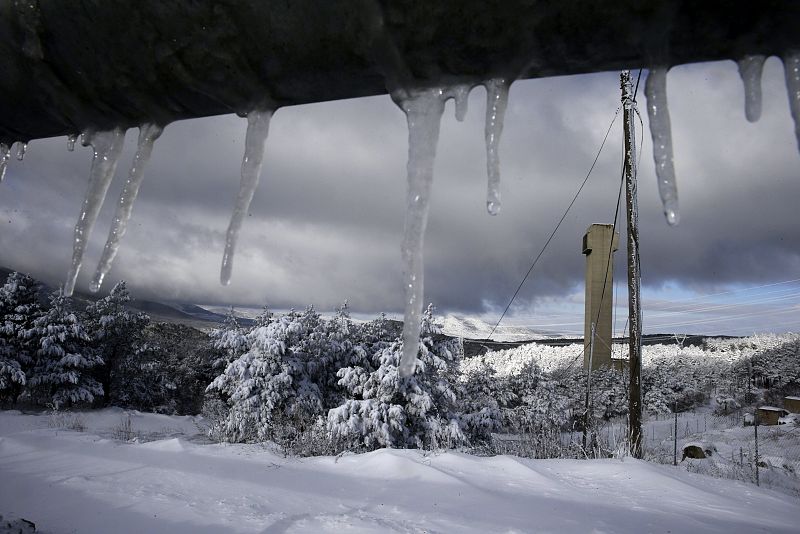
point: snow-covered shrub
(64, 420)
(61, 372)
(287, 377)
(387, 410)
(231, 339)
(483, 399)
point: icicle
(71, 142)
(255, 140)
(423, 111)
(791, 66)
(5, 155)
(660, 130)
(107, 147)
(148, 134)
(496, 102)
(750, 69)
(22, 147)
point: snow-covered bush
(483, 401)
(387, 410)
(231, 339)
(287, 377)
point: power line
(558, 225)
(731, 292)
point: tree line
(53, 354)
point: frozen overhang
(73, 65)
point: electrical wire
(558, 225)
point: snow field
(67, 481)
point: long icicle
(496, 103)
(255, 141)
(656, 91)
(148, 134)
(791, 66)
(5, 155)
(750, 69)
(423, 111)
(107, 146)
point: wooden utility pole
(634, 285)
(586, 416)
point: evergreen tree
(287, 378)
(387, 410)
(169, 371)
(115, 333)
(483, 401)
(64, 360)
(19, 307)
(230, 340)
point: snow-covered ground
(88, 481)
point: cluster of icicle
(423, 110)
(750, 70)
(107, 147)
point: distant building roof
(771, 408)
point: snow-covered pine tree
(19, 307)
(287, 378)
(386, 410)
(266, 385)
(116, 333)
(230, 340)
(264, 317)
(483, 400)
(61, 373)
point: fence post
(675, 438)
(755, 427)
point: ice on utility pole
(22, 147)
(423, 111)
(107, 146)
(791, 66)
(660, 130)
(71, 138)
(148, 134)
(496, 103)
(5, 155)
(750, 69)
(255, 141)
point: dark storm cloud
(326, 221)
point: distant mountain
(474, 328)
(181, 313)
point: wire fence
(750, 446)
(728, 445)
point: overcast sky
(327, 219)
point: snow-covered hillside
(511, 361)
(474, 328)
(68, 481)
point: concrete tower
(598, 246)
